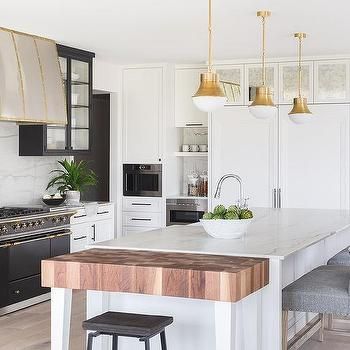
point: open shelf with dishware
(190, 155)
(74, 138)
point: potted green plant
(72, 179)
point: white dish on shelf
(226, 229)
(74, 99)
(75, 76)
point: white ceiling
(142, 31)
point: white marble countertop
(274, 233)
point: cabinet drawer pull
(79, 216)
(194, 124)
(103, 212)
(79, 238)
(17, 292)
(139, 219)
(141, 204)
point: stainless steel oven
(142, 180)
(185, 211)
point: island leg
(61, 304)
(228, 332)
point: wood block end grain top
(197, 276)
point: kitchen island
(294, 241)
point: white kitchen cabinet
(332, 81)
(81, 236)
(145, 219)
(143, 105)
(288, 82)
(315, 159)
(142, 204)
(246, 146)
(89, 229)
(104, 231)
(253, 79)
(186, 84)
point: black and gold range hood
(31, 84)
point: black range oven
(142, 180)
(27, 236)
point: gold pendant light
(300, 113)
(263, 106)
(210, 95)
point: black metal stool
(122, 324)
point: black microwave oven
(142, 180)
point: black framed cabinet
(76, 136)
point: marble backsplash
(22, 179)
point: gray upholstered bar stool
(342, 258)
(324, 290)
(120, 324)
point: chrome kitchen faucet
(221, 181)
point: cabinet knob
(17, 291)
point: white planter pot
(73, 197)
(226, 229)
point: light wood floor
(29, 329)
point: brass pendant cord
(263, 52)
(210, 39)
(300, 75)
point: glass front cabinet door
(331, 81)
(289, 82)
(76, 136)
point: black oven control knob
(142, 167)
(30, 224)
(41, 222)
(55, 220)
(16, 226)
(63, 218)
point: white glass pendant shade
(209, 103)
(263, 112)
(301, 118)
(210, 96)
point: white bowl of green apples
(227, 223)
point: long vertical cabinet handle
(279, 198)
(94, 232)
(274, 198)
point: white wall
(105, 76)
(22, 179)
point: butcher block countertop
(197, 276)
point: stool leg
(284, 330)
(330, 321)
(90, 340)
(163, 340)
(147, 346)
(115, 342)
(321, 332)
